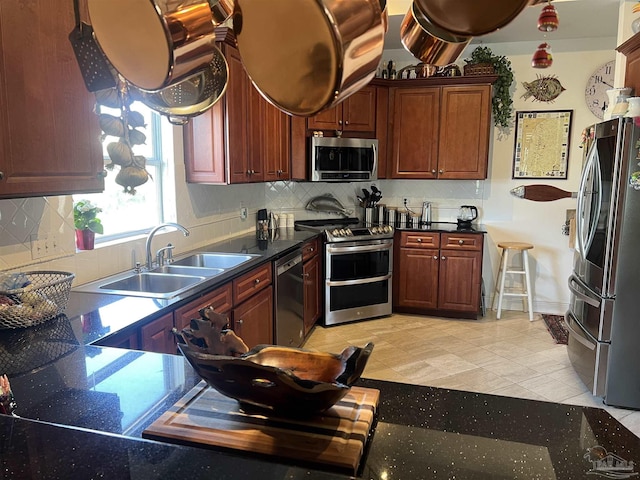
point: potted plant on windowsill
(86, 223)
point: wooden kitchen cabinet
(312, 275)
(438, 273)
(631, 50)
(49, 133)
(157, 336)
(242, 138)
(440, 131)
(221, 299)
(253, 319)
(357, 113)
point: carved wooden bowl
(282, 380)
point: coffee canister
(391, 216)
(402, 218)
(414, 220)
(381, 210)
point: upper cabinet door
(49, 133)
(357, 113)
(463, 146)
(415, 132)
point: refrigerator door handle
(584, 238)
(577, 335)
(594, 300)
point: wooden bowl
(282, 380)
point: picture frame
(541, 147)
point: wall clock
(595, 94)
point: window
(123, 214)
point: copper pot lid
(306, 55)
(472, 17)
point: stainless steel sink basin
(151, 284)
(169, 280)
(215, 260)
(188, 270)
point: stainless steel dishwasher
(289, 300)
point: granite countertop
(98, 316)
(100, 399)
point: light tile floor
(511, 357)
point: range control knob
(348, 232)
(335, 232)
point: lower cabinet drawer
(251, 283)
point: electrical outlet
(44, 245)
(244, 213)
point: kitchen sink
(188, 270)
(151, 284)
(215, 260)
(169, 280)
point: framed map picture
(542, 144)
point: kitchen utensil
(429, 43)
(305, 56)
(367, 197)
(471, 17)
(541, 193)
(466, 215)
(155, 44)
(94, 66)
(192, 96)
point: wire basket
(479, 69)
(44, 298)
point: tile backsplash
(210, 212)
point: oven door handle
(359, 281)
(585, 297)
(378, 247)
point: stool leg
(496, 288)
(527, 276)
(505, 262)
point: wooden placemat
(337, 437)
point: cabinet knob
(339, 122)
(433, 171)
(248, 172)
(419, 240)
(460, 242)
(347, 122)
(435, 257)
(443, 258)
(240, 321)
(252, 172)
(1, 175)
(305, 275)
(440, 171)
(256, 281)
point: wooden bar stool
(505, 268)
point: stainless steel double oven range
(358, 269)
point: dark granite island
(82, 410)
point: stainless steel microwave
(343, 159)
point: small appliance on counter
(466, 215)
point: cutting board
(335, 438)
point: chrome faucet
(153, 232)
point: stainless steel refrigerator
(604, 311)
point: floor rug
(557, 328)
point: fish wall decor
(543, 89)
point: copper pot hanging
(429, 43)
(305, 56)
(154, 44)
(472, 17)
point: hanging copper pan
(427, 42)
(305, 56)
(472, 17)
(154, 44)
